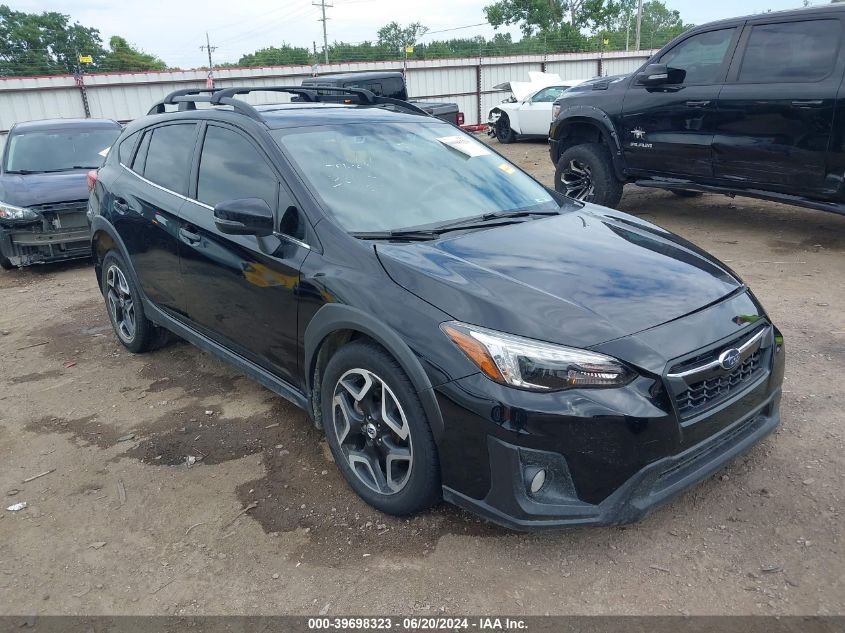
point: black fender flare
(599, 118)
(100, 224)
(336, 316)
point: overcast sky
(175, 29)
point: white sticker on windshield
(105, 152)
(465, 145)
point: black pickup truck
(750, 106)
(387, 84)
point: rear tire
(504, 131)
(378, 432)
(585, 172)
(126, 310)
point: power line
(457, 28)
(288, 18)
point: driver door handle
(190, 236)
(807, 103)
(698, 104)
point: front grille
(707, 393)
(74, 206)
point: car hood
(33, 189)
(613, 82)
(582, 278)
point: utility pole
(322, 4)
(639, 24)
(208, 47)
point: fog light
(538, 480)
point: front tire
(5, 264)
(585, 172)
(504, 131)
(377, 430)
(126, 311)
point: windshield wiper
(27, 172)
(489, 219)
(409, 236)
(486, 220)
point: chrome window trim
(204, 205)
(287, 237)
(745, 347)
(150, 182)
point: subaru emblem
(729, 358)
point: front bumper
(62, 234)
(611, 455)
(509, 503)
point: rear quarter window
(124, 150)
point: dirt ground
(121, 525)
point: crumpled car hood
(34, 189)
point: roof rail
(184, 103)
(226, 96)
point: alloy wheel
(372, 431)
(121, 305)
(577, 180)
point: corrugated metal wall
(466, 81)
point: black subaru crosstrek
(749, 106)
(458, 330)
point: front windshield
(379, 176)
(58, 150)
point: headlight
(11, 212)
(535, 365)
(555, 111)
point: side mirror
(653, 75)
(659, 75)
(246, 216)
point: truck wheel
(377, 430)
(585, 172)
(504, 131)
(5, 264)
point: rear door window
(169, 156)
(791, 52)
(232, 168)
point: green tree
(121, 57)
(284, 55)
(395, 37)
(660, 24)
(545, 16)
(45, 43)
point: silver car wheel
(372, 431)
